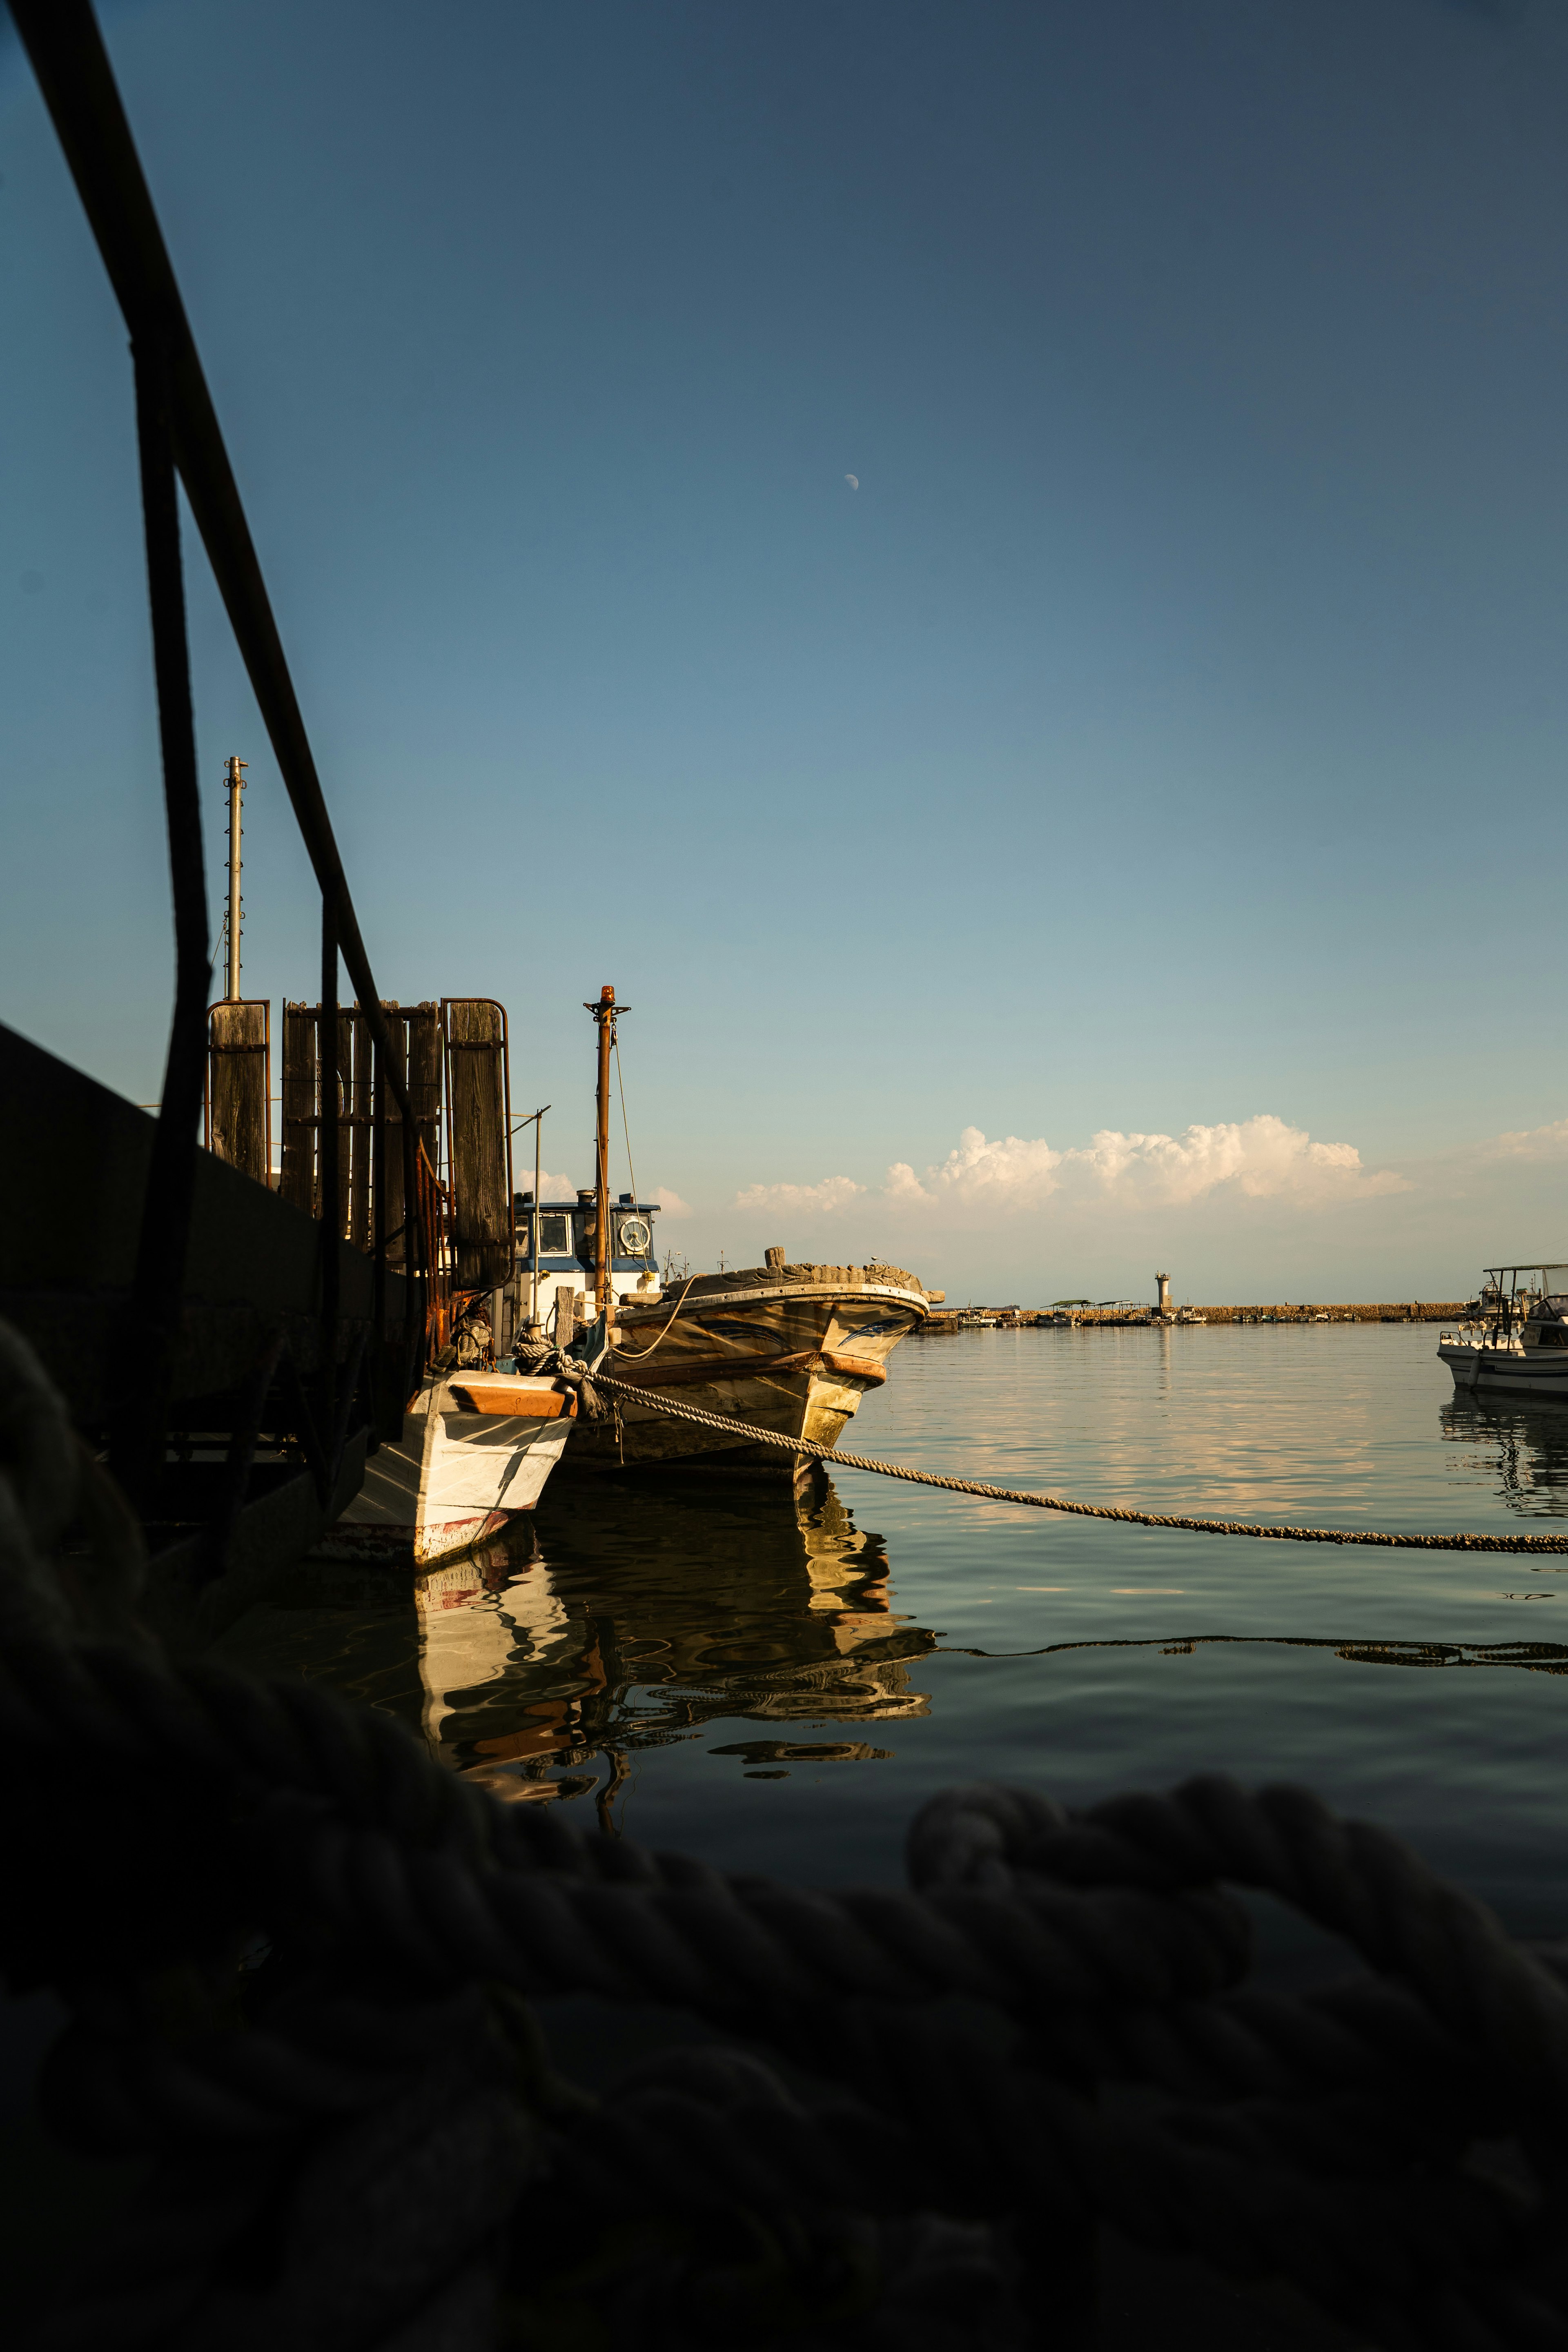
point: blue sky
(1165, 737)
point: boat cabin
(1529, 1301)
(568, 1243)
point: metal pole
(235, 915)
(538, 1148)
(328, 1140)
(536, 1120)
(378, 1196)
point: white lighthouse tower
(1163, 1307)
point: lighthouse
(1164, 1306)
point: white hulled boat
(476, 1450)
(1518, 1340)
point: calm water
(711, 1669)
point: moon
(853, 481)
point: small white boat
(476, 1450)
(1519, 1338)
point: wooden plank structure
(416, 1058)
(238, 1126)
(424, 1062)
(478, 1141)
(298, 1180)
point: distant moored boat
(1518, 1339)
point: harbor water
(700, 1665)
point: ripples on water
(709, 1667)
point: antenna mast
(235, 913)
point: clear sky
(999, 569)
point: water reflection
(1520, 1446)
(637, 1616)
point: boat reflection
(1518, 1444)
(628, 1621)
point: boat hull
(1528, 1372)
(460, 1474)
(794, 1357)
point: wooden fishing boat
(476, 1450)
(790, 1348)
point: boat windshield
(1538, 1289)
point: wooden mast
(603, 1014)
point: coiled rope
(658, 1403)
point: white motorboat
(1518, 1339)
(476, 1450)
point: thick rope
(658, 1403)
(361, 2142)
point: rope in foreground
(297, 1961)
(658, 1403)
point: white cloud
(1008, 1173)
(833, 1192)
(670, 1201)
(1260, 1158)
(1531, 1143)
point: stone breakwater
(1414, 1310)
(1013, 1318)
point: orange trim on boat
(856, 1368)
(517, 1404)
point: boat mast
(533, 1253)
(603, 1014)
(235, 786)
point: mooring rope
(1186, 1522)
(636, 1355)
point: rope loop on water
(755, 1435)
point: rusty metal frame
(433, 1223)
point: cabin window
(555, 1233)
(633, 1237)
